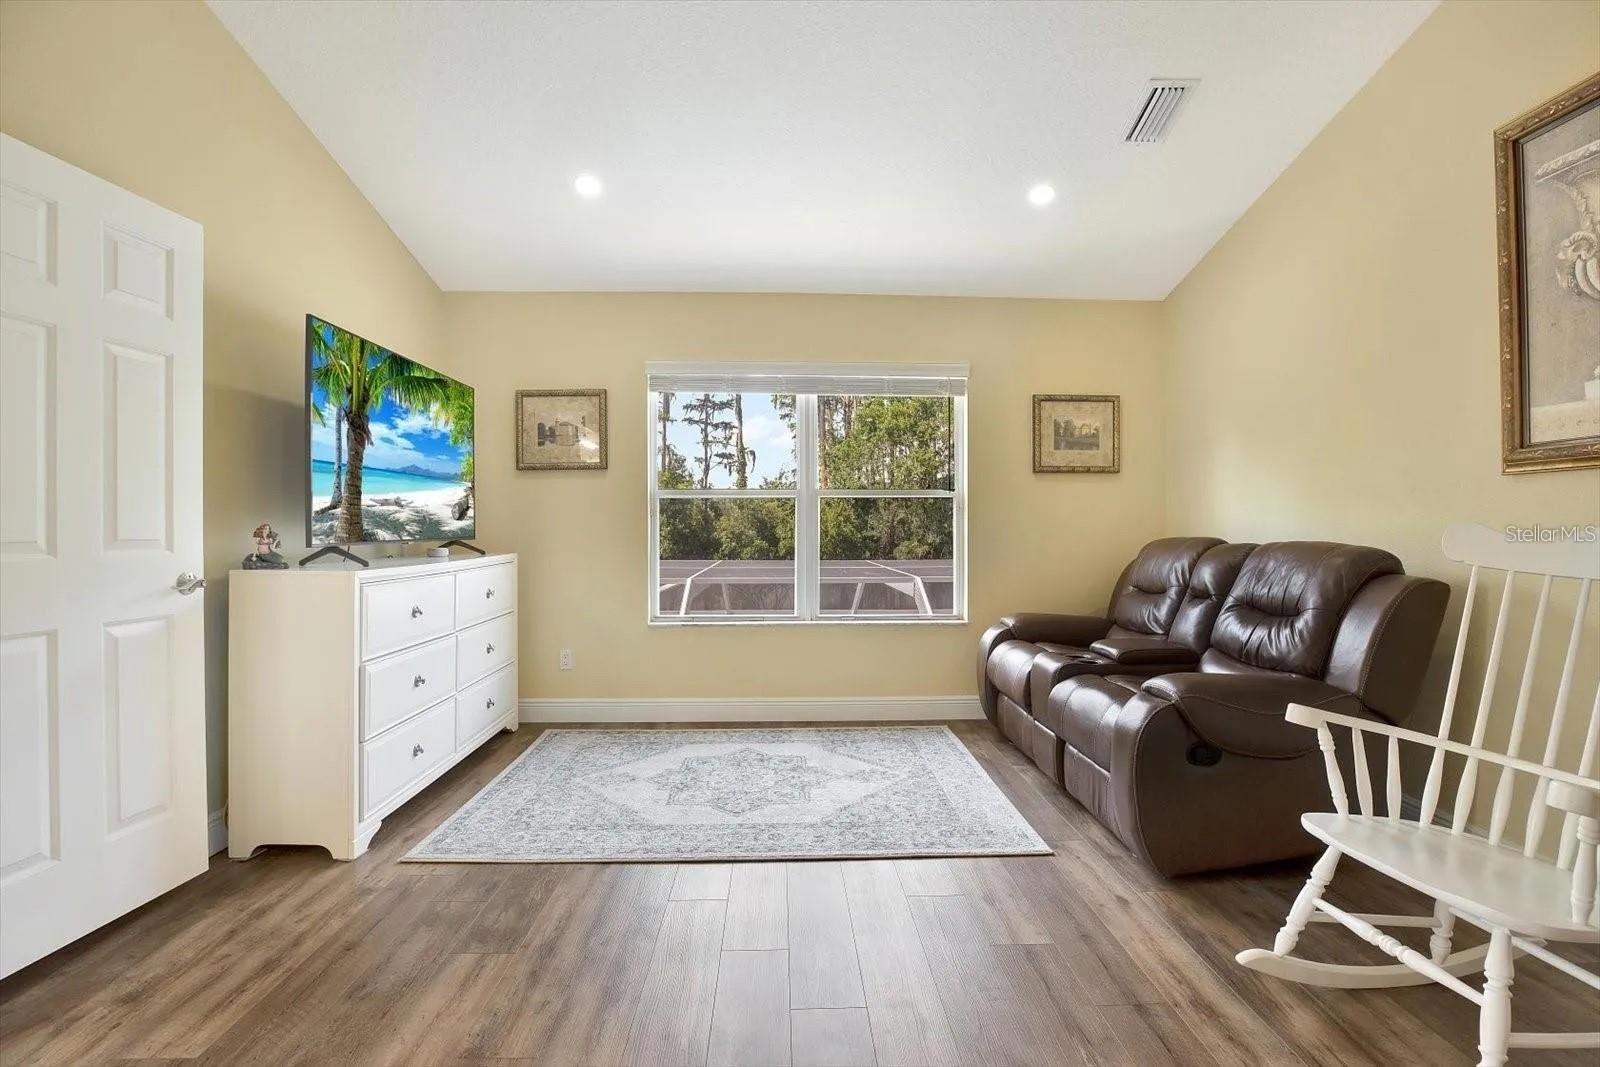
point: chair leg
(1306, 902)
(1444, 926)
(1494, 1020)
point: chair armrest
(1078, 630)
(1582, 802)
(1245, 713)
(1146, 652)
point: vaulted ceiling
(805, 146)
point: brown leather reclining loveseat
(1165, 718)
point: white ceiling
(813, 146)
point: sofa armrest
(1183, 813)
(1244, 713)
(1146, 652)
(1385, 643)
(1077, 630)
(992, 638)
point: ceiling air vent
(1160, 108)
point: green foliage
(866, 443)
(880, 442)
(721, 437)
(458, 412)
(887, 528)
(727, 529)
(756, 529)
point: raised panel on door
(137, 271)
(139, 474)
(27, 437)
(27, 233)
(30, 816)
(138, 708)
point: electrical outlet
(566, 659)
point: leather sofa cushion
(1144, 651)
(1287, 601)
(1209, 587)
(1083, 713)
(1055, 664)
(1147, 594)
(1009, 665)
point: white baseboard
(741, 709)
(217, 832)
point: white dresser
(350, 690)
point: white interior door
(102, 723)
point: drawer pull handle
(416, 612)
(488, 593)
(488, 650)
(418, 682)
(416, 750)
(488, 703)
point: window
(834, 492)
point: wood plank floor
(1083, 957)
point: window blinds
(844, 379)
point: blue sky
(401, 438)
(763, 431)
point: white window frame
(822, 379)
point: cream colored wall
(158, 98)
(1038, 541)
(1327, 371)
(1333, 362)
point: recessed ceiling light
(1042, 194)
(589, 187)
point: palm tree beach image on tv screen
(390, 444)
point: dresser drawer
(484, 592)
(489, 701)
(396, 687)
(405, 754)
(485, 648)
(397, 614)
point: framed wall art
(561, 429)
(1547, 193)
(1077, 434)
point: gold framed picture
(1077, 433)
(1547, 207)
(561, 429)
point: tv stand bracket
(334, 550)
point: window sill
(778, 621)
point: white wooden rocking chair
(1519, 898)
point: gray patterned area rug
(757, 794)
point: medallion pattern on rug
(802, 793)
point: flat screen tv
(390, 444)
